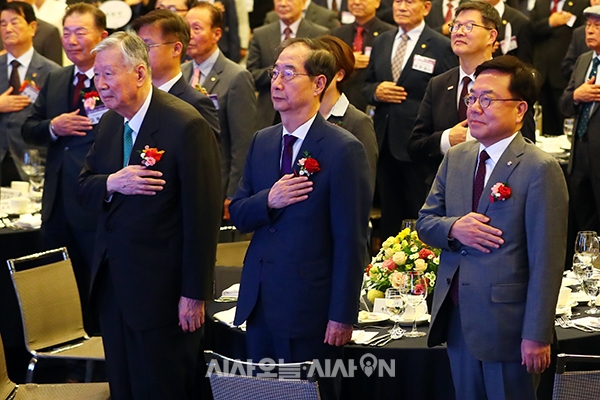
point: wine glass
(587, 245)
(591, 288)
(33, 166)
(582, 266)
(414, 290)
(395, 306)
(568, 127)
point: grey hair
(132, 48)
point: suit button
(67, 148)
(272, 230)
(448, 281)
(463, 252)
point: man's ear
(320, 84)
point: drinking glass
(568, 127)
(591, 288)
(582, 266)
(395, 306)
(33, 166)
(587, 244)
(414, 289)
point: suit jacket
(551, 44)
(509, 294)
(354, 85)
(342, 5)
(314, 13)
(396, 120)
(200, 102)
(576, 48)
(46, 42)
(237, 116)
(230, 41)
(521, 30)
(436, 18)
(10, 123)
(361, 126)
(305, 261)
(261, 56)
(441, 94)
(385, 12)
(568, 107)
(159, 247)
(65, 154)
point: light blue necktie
(586, 110)
(127, 144)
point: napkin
(588, 322)
(29, 221)
(231, 291)
(361, 336)
(227, 316)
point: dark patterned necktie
(288, 154)
(586, 109)
(78, 88)
(462, 107)
(15, 80)
(357, 45)
(479, 181)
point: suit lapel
(65, 80)
(213, 77)
(420, 49)
(502, 171)
(311, 141)
(467, 171)
(34, 66)
(3, 73)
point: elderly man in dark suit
(61, 122)
(402, 63)
(360, 36)
(580, 99)
(312, 12)
(21, 63)
(230, 86)
(167, 36)
(303, 269)
(158, 226)
(514, 33)
(498, 211)
(261, 54)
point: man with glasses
(402, 62)
(303, 269)
(229, 85)
(167, 35)
(580, 99)
(61, 121)
(498, 210)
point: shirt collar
(496, 150)
(340, 107)
(89, 74)
(135, 122)
(302, 130)
(367, 26)
(414, 33)
(500, 7)
(165, 87)
(208, 64)
(462, 74)
(24, 60)
(294, 27)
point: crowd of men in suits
(416, 63)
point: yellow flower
(374, 294)
(405, 232)
(388, 243)
(420, 265)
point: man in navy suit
(401, 64)
(303, 269)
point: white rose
(420, 265)
(397, 280)
(389, 252)
(399, 258)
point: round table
(420, 372)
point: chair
(228, 267)
(32, 391)
(580, 385)
(233, 380)
(51, 311)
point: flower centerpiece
(403, 253)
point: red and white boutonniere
(500, 192)
(27, 82)
(201, 89)
(308, 165)
(91, 100)
(151, 155)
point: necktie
(195, 78)
(127, 144)
(15, 80)
(554, 6)
(449, 13)
(287, 33)
(479, 181)
(462, 107)
(586, 109)
(78, 88)
(288, 154)
(399, 57)
(334, 6)
(357, 45)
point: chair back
(228, 267)
(49, 301)
(234, 380)
(6, 385)
(580, 385)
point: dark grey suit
(10, 123)
(314, 13)
(576, 48)
(510, 293)
(237, 116)
(261, 56)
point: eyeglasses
(151, 45)
(286, 74)
(484, 100)
(468, 27)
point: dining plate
(365, 317)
